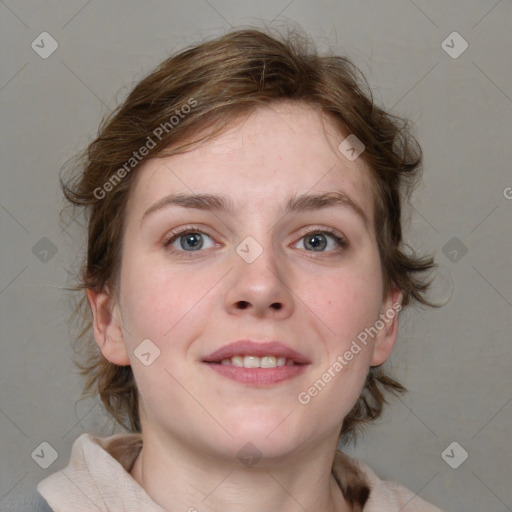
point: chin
(260, 451)
(272, 440)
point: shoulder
(97, 477)
(361, 485)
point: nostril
(243, 304)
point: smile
(257, 362)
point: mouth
(252, 361)
(257, 363)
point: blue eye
(188, 240)
(191, 240)
(318, 241)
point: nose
(259, 288)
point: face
(307, 277)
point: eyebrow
(223, 204)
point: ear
(385, 339)
(107, 327)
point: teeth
(268, 362)
(258, 362)
(251, 362)
(237, 361)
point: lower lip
(258, 376)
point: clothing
(98, 478)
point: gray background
(454, 360)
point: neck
(180, 479)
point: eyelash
(343, 244)
(173, 236)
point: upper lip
(254, 348)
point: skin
(190, 303)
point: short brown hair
(226, 77)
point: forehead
(276, 152)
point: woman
(245, 272)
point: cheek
(153, 299)
(147, 313)
(170, 307)
(352, 302)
